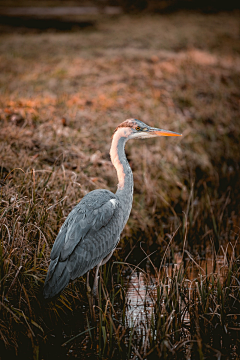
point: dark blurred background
(134, 5)
(61, 15)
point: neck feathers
(118, 157)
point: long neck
(119, 160)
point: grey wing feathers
(83, 241)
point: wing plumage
(90, 232)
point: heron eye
(138, 128)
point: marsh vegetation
(171, 290)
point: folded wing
(89, 234)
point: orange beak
(161, 132)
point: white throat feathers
(122, 132)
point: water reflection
(140, 298)
(142, 287)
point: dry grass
(61, 97)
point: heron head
(136, 129)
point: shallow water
(141, 287)
(139, 299)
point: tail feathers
(57, 280)
(51, 269)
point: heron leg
(89, 296)
(95, 283)
(88, 286)
(107, 257)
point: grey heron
(92, 230)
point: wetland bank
(171, 290)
